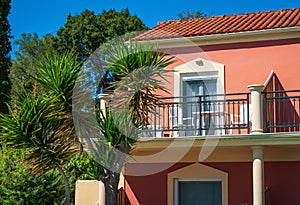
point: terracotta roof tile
(293, 14)
(224, 24)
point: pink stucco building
(228, 131)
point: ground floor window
(198, 191)
(197, 184)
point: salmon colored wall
(282, 178)
(250, 63)
(151, 189)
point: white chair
(152, 131)
(241, 119)
(174, 116)
(176, 121)
(173, 119)
(244, 114)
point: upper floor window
(193, 78)
(197, 85)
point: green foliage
(82, 167)
(37, 126)
(115, 127)
(40, 118)
(30, 49)
(84, 33)
(5, 48)
(19, 186)
(31, 46)
(57, 75)
(117, 133)
(43, 124)
(140, 71)
(188, 14)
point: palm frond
(140, 71)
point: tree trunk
(111, 188)
(67, 198)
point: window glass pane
(199, 87)
(200, 192)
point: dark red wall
(239, 180)
(282, 178)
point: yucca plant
(139, 71)
(43, 123)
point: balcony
(281, 111)
(225, 114)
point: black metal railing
(199, 116)
(281, 111)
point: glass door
(198, 95)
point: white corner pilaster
(101, 194)
(103, 99)
(256, 104)
(258, 175)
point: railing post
(248, 114)
(200, 117)
(256, 104)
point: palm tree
(138, 73)
(43, 124)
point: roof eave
(227, 38)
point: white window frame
(207, 70)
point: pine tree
(5, 48)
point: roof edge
(228, 38)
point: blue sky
(47, 16)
